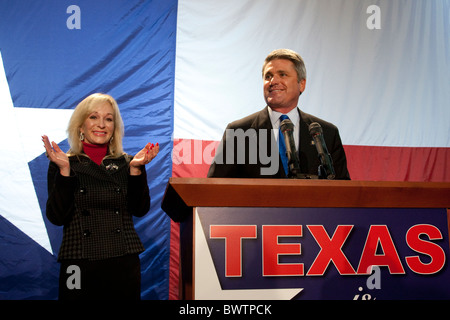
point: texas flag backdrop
(181, 71)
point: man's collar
(293, 115)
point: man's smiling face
(281, 85)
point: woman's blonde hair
(79, 116)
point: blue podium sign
(321, 253)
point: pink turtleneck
(95, 151)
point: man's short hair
(290, 55)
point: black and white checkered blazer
(95, 204)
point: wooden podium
(185, 194)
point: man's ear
(302, 85)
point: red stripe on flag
(398, 163)
(174, 260)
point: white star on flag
(21, 130)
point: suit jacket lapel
(307, 149)
(262, 121)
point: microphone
(326, 169)
(287, 129)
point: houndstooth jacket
(95, 204)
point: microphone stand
(293, 161)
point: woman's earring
(81, 136)
(111, 140)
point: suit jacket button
(86, 233)
(117, 230)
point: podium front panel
(320, 253)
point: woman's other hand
(56, 155)
(143, 157)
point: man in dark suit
(249, 147)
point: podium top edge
(235, 192)
(306, 182)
